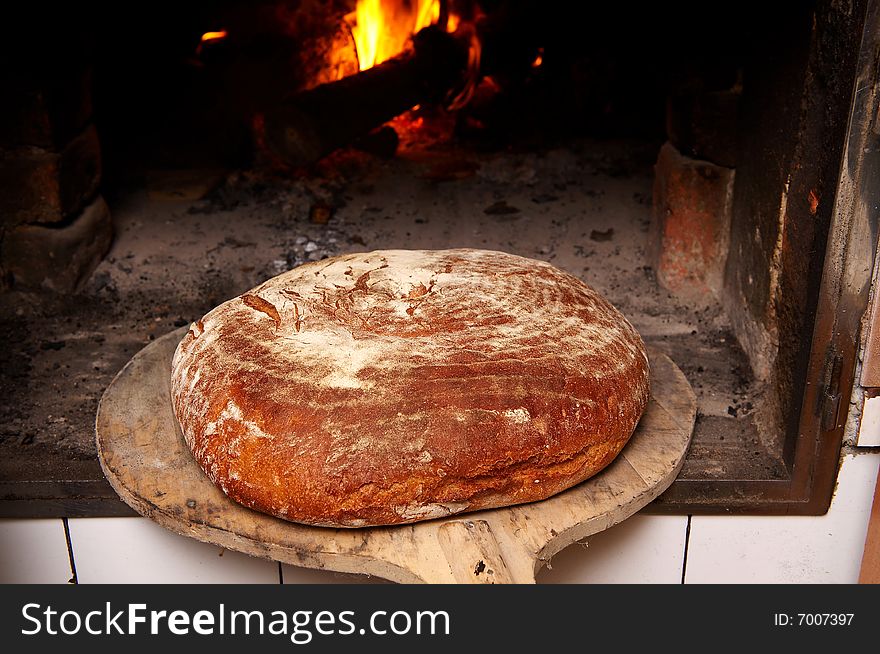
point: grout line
(687, 541)
(73, 579)
(280, 573)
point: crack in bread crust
(395, 386)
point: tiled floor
(643, 549)
(789, 549)
(869, 427)
(136, 550)
(33, 551)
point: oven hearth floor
(188, 240)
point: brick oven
(711, 170)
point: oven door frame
(842, 303)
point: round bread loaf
(394, 386)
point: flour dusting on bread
(398, 385)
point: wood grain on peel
(396, 386)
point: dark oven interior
(682, 159)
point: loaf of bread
(395, 386)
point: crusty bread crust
(395, 386)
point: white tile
(137, 550)
(789, 549)
(33, 552)
(869, 427)
(296, 575)
(641, 549)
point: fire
(539, 59)
(382, 28)
(214, 36)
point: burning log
(312, 123)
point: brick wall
(54, 225)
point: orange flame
(539, 59)
(214, 36)
(382, 28)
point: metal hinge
(830, 400)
